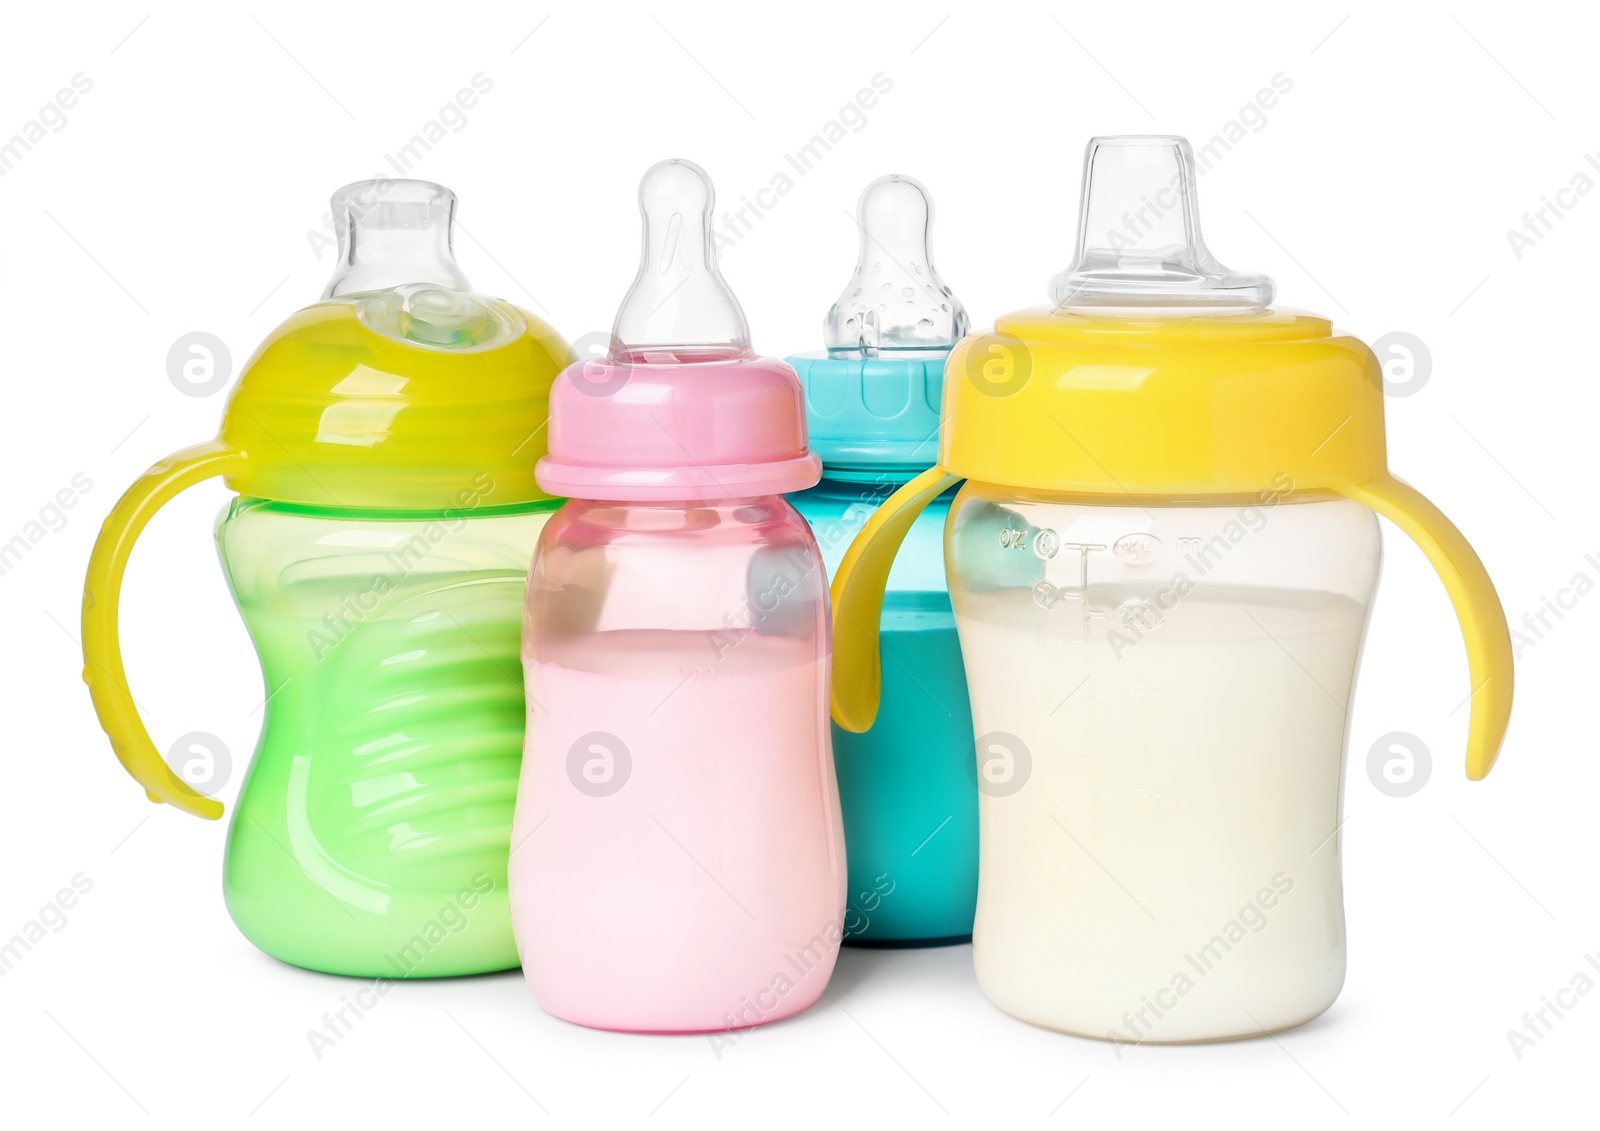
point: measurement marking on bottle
(1137, 548)
(1012, 539)
(1084, 550)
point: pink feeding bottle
(677, 857)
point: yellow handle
(1483, 621)
(102, 590)
(858, 598)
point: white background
(178, 197)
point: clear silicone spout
(1139, 245)
(679, 309)
(895, 300)
(395, 251)
(392, 233)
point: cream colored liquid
(1167, 868)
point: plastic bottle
(382, 444)
(907, 786)
(1161, 565)
(677, 863)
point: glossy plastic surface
(1161, 695)
(674, 432)
(395, 399)
(677, 863)
(371, 833)
(907, 787)
(103, 672)
(873, 413)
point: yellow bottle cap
(402, 389)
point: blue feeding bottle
(908, 786)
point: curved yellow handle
(102, 590)
(1483, 621)
(858, 598)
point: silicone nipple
(895, 300)
(395, 240)
(1139, 244)
(678, 309)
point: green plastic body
(371, 834)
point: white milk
(1159, 858)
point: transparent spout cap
(895, 300)
(679, 309)
(395, 241)
(1139, 245)
(392, 233)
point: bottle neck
(895, 474)
(672, 505)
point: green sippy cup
(382, 444)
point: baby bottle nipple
(395, 240)
(679, 309)
(895, 300)
(1139, 243)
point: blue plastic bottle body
(907, 787)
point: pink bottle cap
(680, 409)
